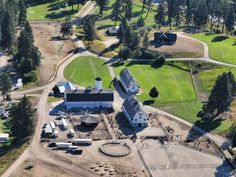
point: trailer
(83, 141)
(64, 123)
(72, 148)
(72, 132)
(52, 124)
(56, 133)
(63, 145)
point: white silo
(98, 84)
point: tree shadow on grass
(234, 44)
(148, 102)
(61, 14)
(219, 38)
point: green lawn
(137, 7)
(57, 10)
(84, 70)
(208, 77)
(221, 48)
(174, 85)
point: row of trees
(198, 13)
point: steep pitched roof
(88, 95)
(132, 106)
(62, 86)
(127, 77)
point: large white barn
(90, 98)
(133, 110)
(128, 81)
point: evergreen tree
(8, 30)
(149, 5)
(28, 29)
(154, 93)
(124, 53)
(89, 28)
(116, 13)
(5, 84)
(230, 20)
(144, 3)
(141, 22)
(22, 18)
(102, 5)
(146, 42)
(232, 134)
(122, 30)
(22, 119)
(127, 8)
(0, 35)
(2, 10)
(160, 15)
(200, 14)
(66, 27)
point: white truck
(64, 123)
(63, 145)
(83, 141)
(72, 132)
(52, 124)
(72, 148)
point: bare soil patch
(51, 46)
(183, 48)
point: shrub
(30, 77)
(145, 54)
(158, 62)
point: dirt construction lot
(183, 48)
(52, 48)
(176, 160)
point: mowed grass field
(84, 70)
(50, 11)
(137, 7)
(174, 85)
(221, 48)
(208, 77)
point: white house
(128, 81)
(133, 111)
(113, 31)
(89, 98)
(4, 137)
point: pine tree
(146, 42)
(22, 119)
(66, 27)
(160, 15)
(28, 29)
(89, 28)
(5, 84)
(102, 5)
(200, 14)
(127, 8)
(141, 22)
(8, 30)
(154, 92)
(2, 10)
(122, 30)
(229, 22)
(22, 18)
(116, 13)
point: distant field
(57, 10)
(173, 84)
(137, 7)
(208, 77)
(221, 48)
(84, 70)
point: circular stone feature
(115, 149)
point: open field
(183, 48)
(137, 7)
(50, 11)
(221, 48)
(54, 50)
(174, 85)
(84, 70)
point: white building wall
(89, 105)
(137, 120)
(134, 89)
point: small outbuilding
(63, 86)
(113, 31)
(134, 112)
(165, 38)
(128, 81)
(4, 137)
(89, 120)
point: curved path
(36, 149)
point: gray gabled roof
(132, 106)
(89, 95)
(127, 77)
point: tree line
(13, 18)
(219, 14)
